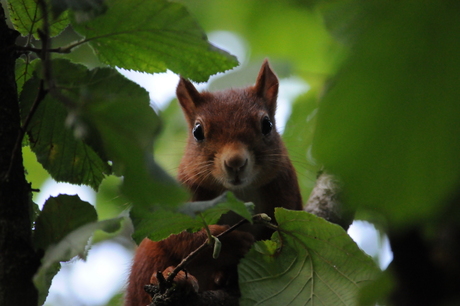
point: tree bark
(18, 259)
(325, 201)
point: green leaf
(150, 191)
(378, 291)
(64, 157)
(27, 17)
(170, 144)
(83, 9)
(157, 222)
(287, 30)
(155, 35)
(311, 262)
(61, 215)
(216, 248)
(342, 18)
(114, 116)
(298, 138)
(63, 229)
(111, 113)
(388, 124)
(73, 244)
(213, 209)
(43, 282)
(24, 71)
(116, 300)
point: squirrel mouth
(237, 182)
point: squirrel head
(232, 142)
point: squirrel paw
(182, 281)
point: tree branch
(325, 201)
(18, 259)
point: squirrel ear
(188, 97)
(267, 86)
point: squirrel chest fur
(232, 145)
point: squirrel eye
(267, 126)
(198, 132)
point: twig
(193, 254)
(25, 49)
(22, 131)
(64, 50)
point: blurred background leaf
(388, 123)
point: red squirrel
(232, 145)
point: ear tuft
(267, 86)
(189, 98)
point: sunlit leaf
(311, 262)
(155, 35)
(27, 17)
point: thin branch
(22, 131)
(39, 50)
(265, 220)
(64, 50)
(45, 57)
(195, 253)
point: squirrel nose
(235, 164)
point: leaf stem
(206, 227)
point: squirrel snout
(236, 164)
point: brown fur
(234, 155)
